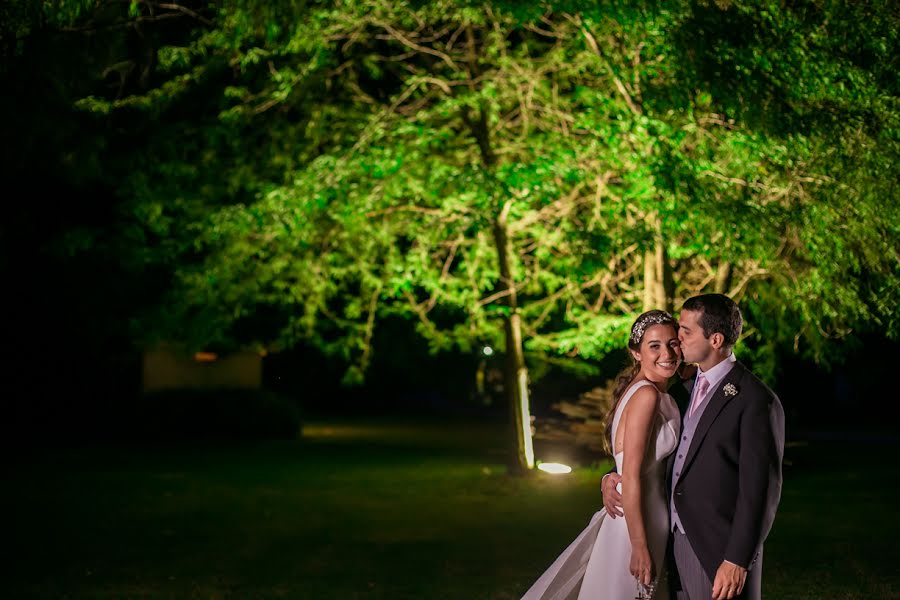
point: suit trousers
(695, 583)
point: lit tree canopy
(373, 145)
(526, 176)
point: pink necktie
(702, 387)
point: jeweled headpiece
(653, 317)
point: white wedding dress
(595, 565)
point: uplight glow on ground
(555, 468)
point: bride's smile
(659, 353)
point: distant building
(167, 368)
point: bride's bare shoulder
(644, 395)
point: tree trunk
(649, 284)
(723, 277)
(658, 283)
(516, 371)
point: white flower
(730, 390)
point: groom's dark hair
(718, 314)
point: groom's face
(694, 344)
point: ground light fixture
(555, 468)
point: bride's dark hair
(627, 375)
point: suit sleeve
(758, 458)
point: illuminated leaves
(334, 164)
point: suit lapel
(714, 406)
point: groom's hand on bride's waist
(612, 499)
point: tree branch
(592, 42)
(418, 47)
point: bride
(623, 559)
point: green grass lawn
(387, 511)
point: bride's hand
(641, 566)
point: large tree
(525, 177)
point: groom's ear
(717, 340)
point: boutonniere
(730, 390)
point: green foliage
(311, 168)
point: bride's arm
(638, 419)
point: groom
(726, 472)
